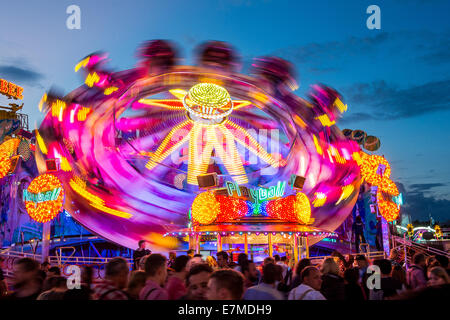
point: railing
(409, 248)
(371, 255)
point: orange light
(46, 210)
(205, 208)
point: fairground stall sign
(10, 89)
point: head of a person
(399, 274)
(302, 264)
(330, 266)
(142, 244)
(155, 268)
(394, 254)
(271, 273)
(87, 274)
(438, 276)
(225, 285)
(351, 275)
(284, 259)
(58, 283)
(45, 266)
(419, 259)
(193, 261)
(179, 265)
(211, 261)
(25, 271)
(431, 261)
(277, 258)
(197, 281)
(385, 266)
(53, 271)
(443, 261)
(268, 260)
(242, 259)
(172, 255)
(190, 253)
(312, 277)
(198, 255)
(222, 259)
(117, 271)
(362, 261)
(358, 219)
(249, 271)
(136, 283)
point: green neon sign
(50, 195)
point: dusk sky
(395, 80)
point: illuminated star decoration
(208, 106)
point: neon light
(316, 143)
(10, 89)
(43, 187)
(83, 63)
(346, 192)
(320, 199)
(91, 79)
(340, 105)
(110, 90)
(325, 121)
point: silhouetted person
(139, 253)
(358, 231)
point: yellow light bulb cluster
(325, 120)
(7, 150)
(302, 208)
(91, 79)
(46, 210)
(205, 208)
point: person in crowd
(333, 286)
(311, 282)
(362, 265)
(3, 283)
(42, 273)
(193, 261)
(141, 264)
(175, 285)
(225, 284)
(222, 259)
(27, 281)
(443, 262)
(415, 275)
(140, 252)
(431, 262)
(302, 264)
(197, 282)
(53, 271)
(136, 284)
(58, 287)
(393, 258)
(250, 274)
(267, 289)
(389, 286)
(288, 276)
(85, 291)
(358, 231)
(268, 260)
(212, 262)
(438, 276)
(198, 255)
(190, 253)
(353, 290)
(399, 274)
(284, 267)
(172, 257)
(116, 280)
(242, 259)
(156, 272)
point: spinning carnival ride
(131, 147)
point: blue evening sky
(394, 80)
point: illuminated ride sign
(10, 89)
(44, 198)
(234, 202)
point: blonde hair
(329, 265)
(211, 261)
(441, 273)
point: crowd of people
(194, 277)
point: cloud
(383, 101)
(419, 207)
(22, 75)
(425, 186)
